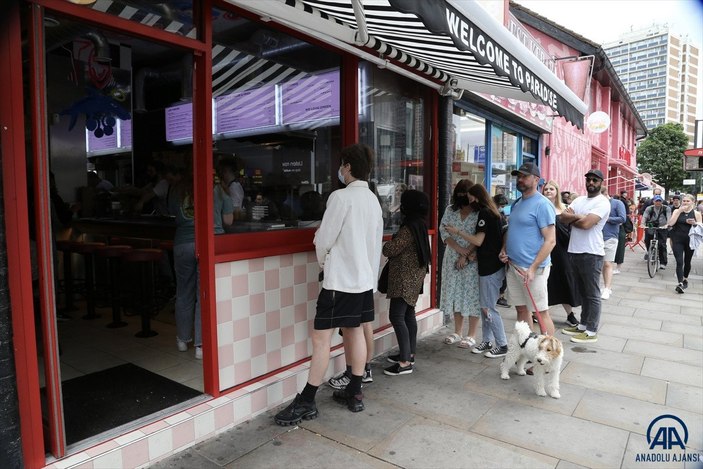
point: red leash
(529, 293)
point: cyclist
(655, 216)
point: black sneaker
(503, 302)
(482, 347)
(368, 376)
(534, 319)
(296, 411)
(397, 369)
(354, 403)
(396, 359)
(497, 352)
(571, 320)
(684, 284)
(340, 381)
(679, 288)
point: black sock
(308, 393)
(354, 386)
(348, 370)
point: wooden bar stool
(87, 250)
(66, 247)
(113, 254)
(144, 259)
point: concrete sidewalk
(455, 411)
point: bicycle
(653, 250)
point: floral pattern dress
(459, 292)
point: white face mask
(340, 176)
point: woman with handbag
(408, 256)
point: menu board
(125, 133)
(248, 109)
(179, 122)
(312, 98)
(119, 141)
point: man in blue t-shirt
(530, 238)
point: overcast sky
(604, 21)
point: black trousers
(402, 317)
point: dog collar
(531, 336)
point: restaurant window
(276, 124)
(469, 147)
(392, 121)
(504, 154)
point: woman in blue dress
(459, 293)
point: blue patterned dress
(460, 292)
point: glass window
(504, 148)
(469, 147)
(392, 121)
(276, 111)
(173, 17)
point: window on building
(504, 157)
(469, 147)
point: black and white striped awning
(454, 44)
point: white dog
(544, 351)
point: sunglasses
(593, 179)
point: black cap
(527, 169)
(596, 173)
(676, 196)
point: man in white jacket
(348, 247)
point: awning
(454, 43)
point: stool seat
(116, 250)
(142, 255)
(85, 248)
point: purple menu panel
(126, 134)
(248, 109)
(179, 122)
(106, 142)
(311, 98)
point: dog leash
(542, 328)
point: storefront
(120, 98)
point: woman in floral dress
(460, 294)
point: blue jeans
(402, 316)
(187, 297)
(492, 324)
(587, 270)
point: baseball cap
(596, 173)
(527, 169)
(676, 196)
(657, 198)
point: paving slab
(553, 434)
(451, 447)
(693, 342)
(643, 304)
(687, 301)
(671, 371)
(614, 308)
(692, 311)
(666, 317)
(303, 448)
(186, 460)
(676, 354)
(654, 324)
(589, 354)
(683, 396)
(569, 465)
(616, 382)
(634, 332)
(520, 389)
(633, 415)
(638, 446)
(687, 329)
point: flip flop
(452, 339)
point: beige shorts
(516, 294)
(610, 246)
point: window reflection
(276, 114)
(469, 148)
(392, 121)
(504, 148)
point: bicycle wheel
(653, 260)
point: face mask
(463, 201)
(340, 176)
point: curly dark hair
(360, 158)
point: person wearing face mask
(459, 293)
(681, 222)
(348, 247)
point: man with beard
(526, 246)
(587, 215)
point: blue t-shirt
(527, 218)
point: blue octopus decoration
(100, 113)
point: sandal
(467, 342)
(452, 339)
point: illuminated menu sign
(313, 98)
(125, 133)
(179, 122)
(248, 109)
(119, 141)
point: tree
(661, 155)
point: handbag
(628, 226)
(383, 279)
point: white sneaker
(616, 271)
(198, 353)
(605, 294)
(182, 346)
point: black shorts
(340, 309)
